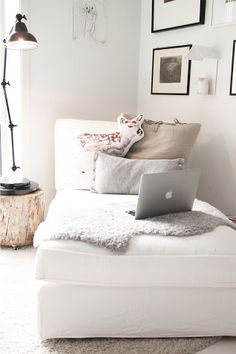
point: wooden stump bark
(19, 217)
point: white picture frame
(223, 13)
(89, 22)
(186, 13)
(171, 70)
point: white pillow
(73, 164)
(117, 175)
(79, 171)
(66, 130)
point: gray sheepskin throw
(112, 227)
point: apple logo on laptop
(169, 194)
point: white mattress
(207, 260)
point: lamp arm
(4, 83)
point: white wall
(215, 151)
(70, 80)
(67, 79)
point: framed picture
(223, 12)
(170, 71)
(170, 14)
(89, 22)
(232, 91)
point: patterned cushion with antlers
(117, 143)
(79, 166)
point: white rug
(18, 319)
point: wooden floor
(225, 346)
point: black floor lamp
(19, 39)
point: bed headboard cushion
(118, 175)
(69, 172)
(164, 140)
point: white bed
(160, 287)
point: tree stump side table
(19, 217)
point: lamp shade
(198, 52)
(19, 37)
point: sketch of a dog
(90, 17)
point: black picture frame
(171, 70)
(195, 15)
(232, 90)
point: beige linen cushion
(165, 140)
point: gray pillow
(118, 175)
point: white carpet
(18, 333)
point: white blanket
(112, 227)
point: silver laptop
(168, 192)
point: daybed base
(76, 311)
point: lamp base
(25, 186)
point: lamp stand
(25, 186)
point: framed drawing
(89, 23)
(170, 14)
(223, 12)
(232, 91)
(170, 70)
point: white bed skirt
(76, 311)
